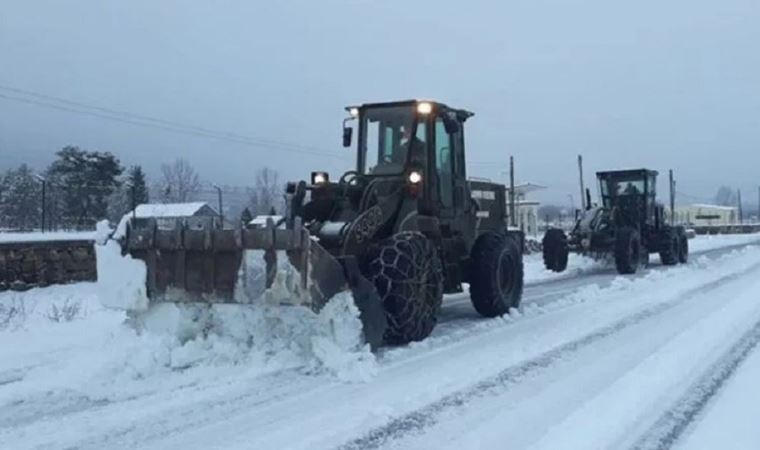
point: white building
(706, 215)
(526, 210)
(167, 213)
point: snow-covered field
(592, 360)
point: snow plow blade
(193, 261)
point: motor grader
(628, 225)
(399, 231)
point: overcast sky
(662, 84)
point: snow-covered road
(592, 361)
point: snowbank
(189, 335)
(121, 279)
(271, 337)
(703, 243)
(102, 355)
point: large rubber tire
(669, 247)
(406, 271)
(627, 250)
(496, 274)
(555, 250)
(683, 245)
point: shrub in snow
(67, 312)
(12, 313)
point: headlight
(424, 108)
(319, 178)
(415, 177)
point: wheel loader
(398, 232)
(628, 225)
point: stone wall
(24, 265)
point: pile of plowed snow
(262, 336)
(260, 333)
(99, 354)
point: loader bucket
(193, 261)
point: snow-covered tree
(138, 185)
(726, 196)
(267, 193)
(179, 182)
(122, 201)
(246, 216)
(20, 199)
(82, 183)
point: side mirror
(450, 123)
(348, 132)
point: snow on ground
(51, 236)
(709, 242)
(535, 271)
(235, 378)
(730, 421)
(61, 339)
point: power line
(51, 102)
(144, 118)
(694, 197)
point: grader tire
(683, 246)
(496, 278)
(555, 250)
(627, 250)
(670, 245)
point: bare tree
(267, 193)
(726, 196)
(179, 182)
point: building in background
(167, 213)
(706, 215)
(526, 210)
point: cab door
(444, 168)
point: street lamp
(133, 194)
(44, 186)
(221, 213)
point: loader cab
(631, 194)
(420, 142)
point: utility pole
(672, 199)
(583, 188)
(512, 218)
(221, 213)
(739, 199)
(42, 205)
(133, 191)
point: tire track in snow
(231, 403)
(457, 316)
(427, 416)
(671, 425)
(21, 412)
